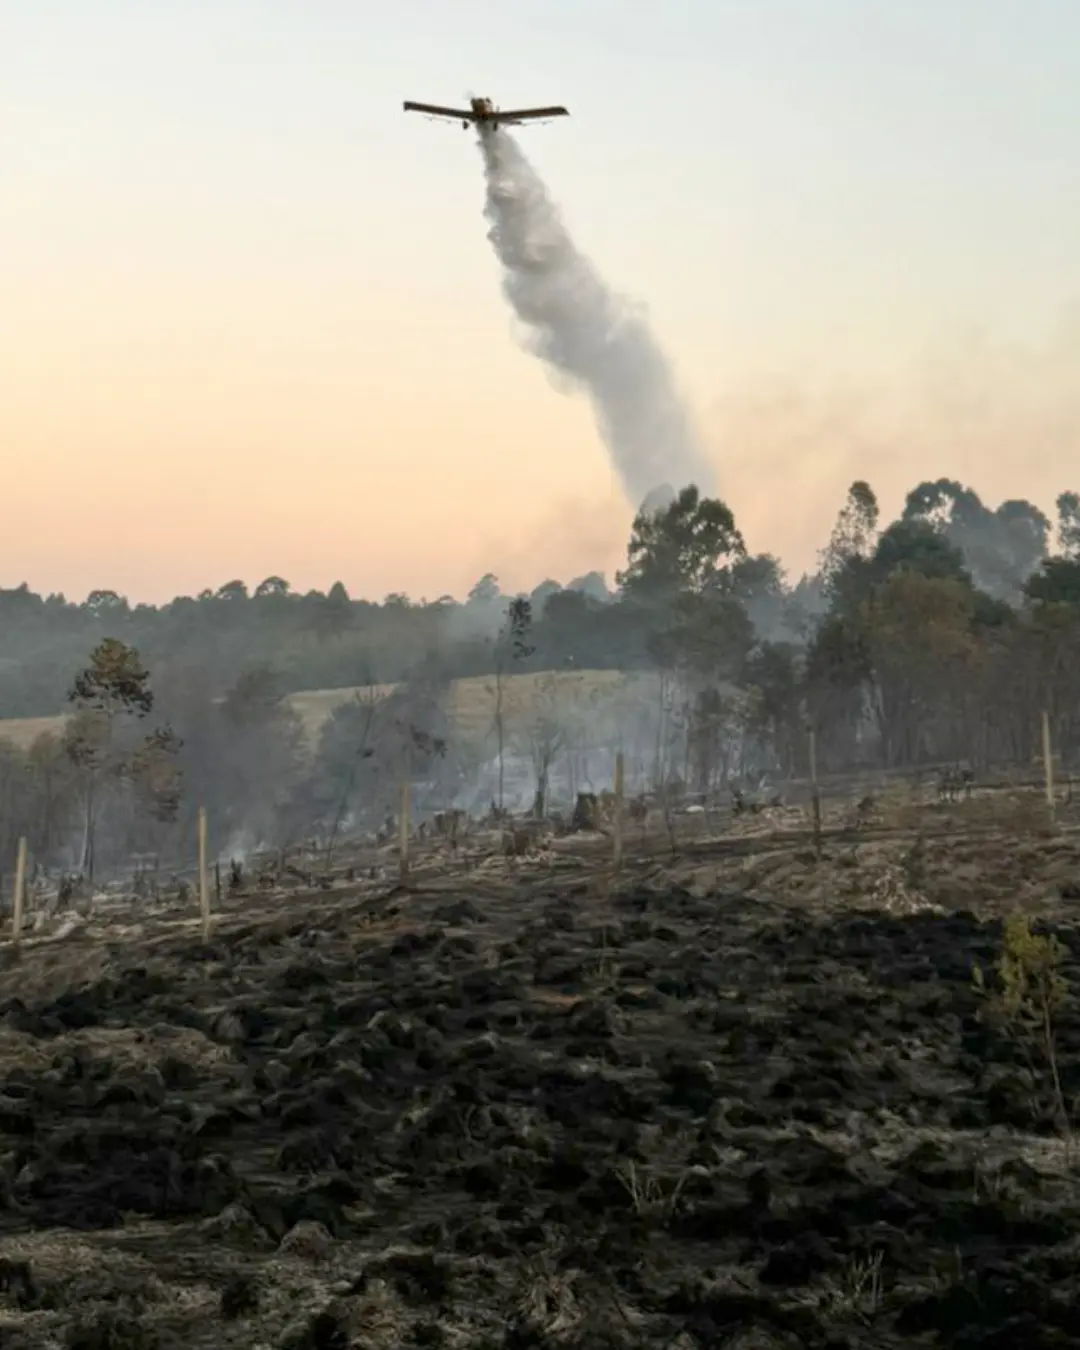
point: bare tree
(512, 647)
(362, 734)
(544, 736)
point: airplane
(482, 112)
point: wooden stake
(815, 795)
(1048, 764)
(204, 880)
(403, 828)
(617, 833)
(19, 893)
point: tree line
(139, 754)
(939, 637)
(316, 640)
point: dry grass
(127, 1047)
(316, 705)
(472, 701)
(24, 731)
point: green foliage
(110, 692)
(1000, 548)
(915, 546)
(914, 643)
(156, 771)
(1030, 991)
(689, 546)
(486, 590)
(853, 534)
(775, 678)
(905, 546)
(38, 795)
(110, 696)
(311, 641)
(256, 698)
(838, 673)
(1057, 582)
(1029, 970)
(913, 866)
(1068, 512)
(691, 582)
(704, 637)
(114, 682)
(516, 630)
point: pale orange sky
(250, 323)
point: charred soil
(690, 1109)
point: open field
(740, 1097)
(24, 731)
(471, 705)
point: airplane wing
(436, 111)
(527, 114)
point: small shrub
(1030, 991)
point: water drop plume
(591, 338)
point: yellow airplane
(482, 112)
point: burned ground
(700, 1107)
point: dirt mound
(689, 1114)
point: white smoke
(584, 332)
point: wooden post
(617, 833)
(815, 795)
(204, 880)
(217, 884)
(1048, 764)
(403, 828)
(19, 893)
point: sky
(251, 324)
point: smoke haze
(592, 338)
(1002, 416)
(574, 534)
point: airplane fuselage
(485, 113)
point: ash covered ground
(741, 1099)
